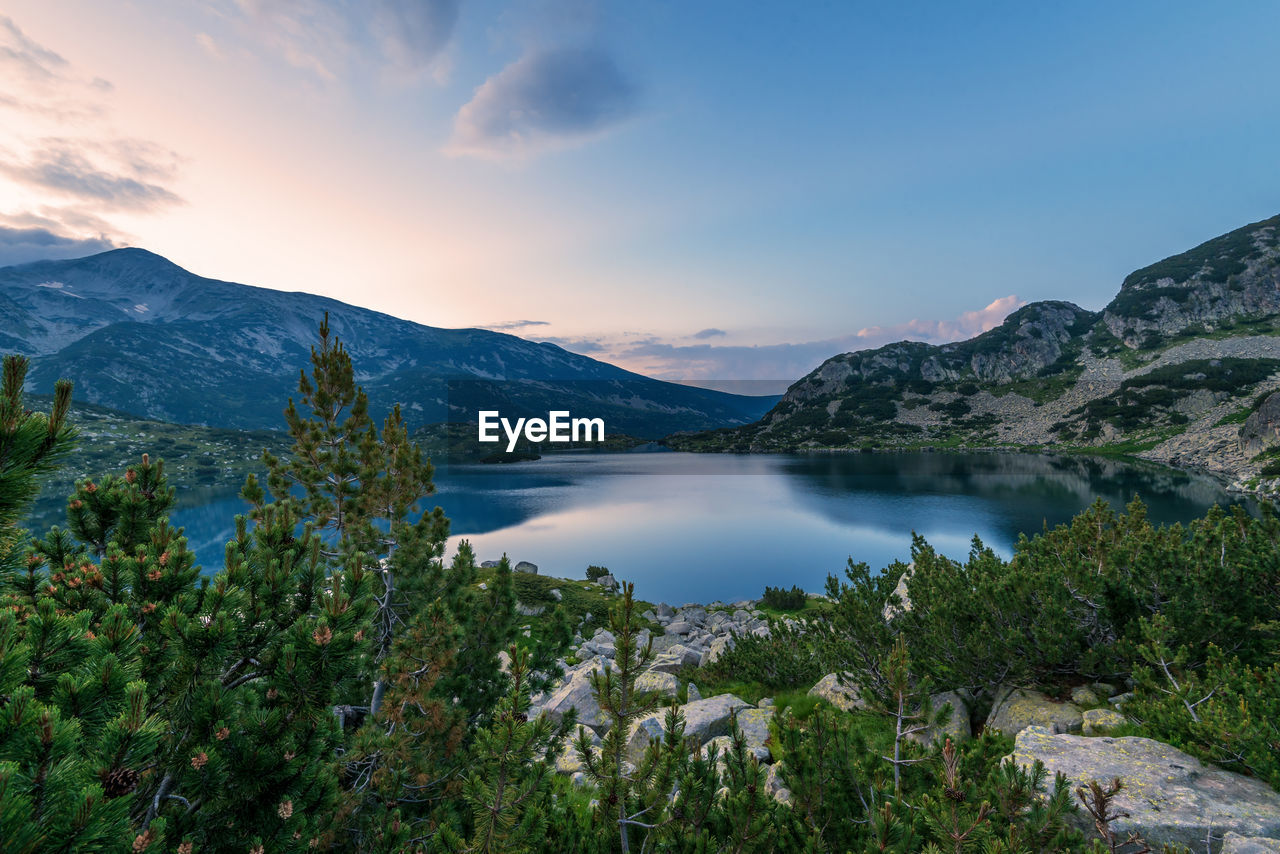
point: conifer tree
(31, 444)
(622, 784)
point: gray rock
(1261, 430)
(576, 692)
(1100, 721)
(957, 726)
(608, 582)
(667, 663)
(904, 601)
(692, 693)
(530, 610)
(490, 564)
(765, 703)
(754, 724)
(555, 594)
(774, 785)
(650, 616)
(717, 648)
(679, 627)
(703, 721)
(1170, 797)
(1085, 696)
(662, 684)
(843, 697)
(1234, 843)
(1015, 709)
(664, 610)
(526, 567)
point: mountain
(1170, 369)
(139, 334)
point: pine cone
(954, 794)
(119, 782)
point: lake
(700, 527)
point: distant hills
(1170, 369)
(142, 335)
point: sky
(705, 192)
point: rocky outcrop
(1168, 797)
(1234, 843)
(842, 696)
(703, 721)
(1101, 721)
(1261, 430)
(1015, 709)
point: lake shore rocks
(1168, 797)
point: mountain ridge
(1169, 369)
(139, 333)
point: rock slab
(1170, 796)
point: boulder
(662, 609)
(843, 697)
(530, 610)
(567, 760)
(490, 564)
(957, 726)
(904, 601)
(692, 693)
(717, 648)
(1234, 843)
(775, 787)
(525, 566)
(1168, 797)
(608, 582)
(754, 724)
(1101, 721)
(1015, 709)
(703, 721)
(575, 693)
(1085, 696)
(555, 594)
(661, 683)
(679, 627)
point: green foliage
(595, 573)
(1216, 260)
(785, 658)
(1218, 708)
(781, 599)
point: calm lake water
(699, 527)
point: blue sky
(696, 190)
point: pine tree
(623, 785)
(31, 445)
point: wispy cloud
(326, 37)
(60, 158)
(513, 325)
(119, 175)
(547, 100)
(20, 244)
(771, 368)
(965, 326)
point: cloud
(21, 245)
(120, 174)
(510, 325)
(967, 325)
(209, 45)
(771, 368)
(326, 37)
(19, 52)
(711, 332)
(547, 100)
(414, 32)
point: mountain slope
(140, 334)
(1169, 369)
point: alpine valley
(1182, 367)
(140, 335)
